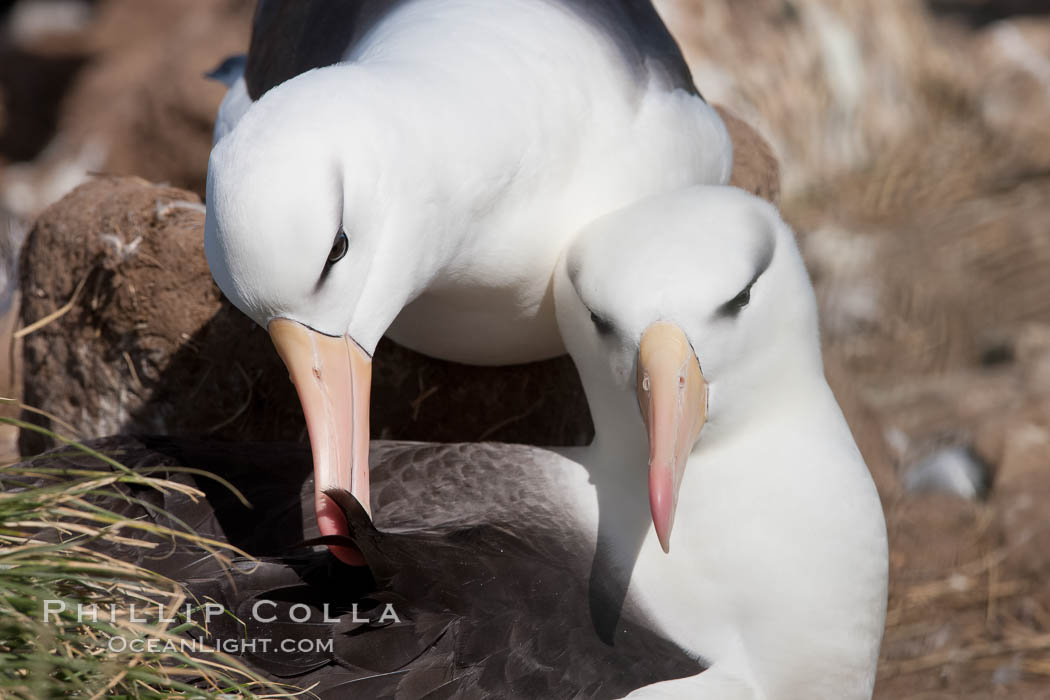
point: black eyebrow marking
(731, 308)
(338, 228)
(604, 325)
(328, 264)
(601, 323)
(324, 275)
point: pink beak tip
(662, 506)
(663, 533)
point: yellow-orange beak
(333, 377)
(672, 394)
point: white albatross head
(688, 314)
(303, 235)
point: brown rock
(147, 345)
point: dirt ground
(914, 147)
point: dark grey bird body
(490, 588)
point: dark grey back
(290, 37)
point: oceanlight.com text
(153, 645)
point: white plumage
(777, 572)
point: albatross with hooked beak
(425, 184)
(691, 314)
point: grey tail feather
(229, 71)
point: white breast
(778, 563)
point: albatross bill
(672, 394)
(333, 377)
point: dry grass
(51, 522)
(971, 614)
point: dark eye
(603, 326)
(339, 248)
(737, 303)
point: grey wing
(437, 486)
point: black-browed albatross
(416, 167)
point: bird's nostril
(645, 383)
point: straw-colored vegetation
(52, 523)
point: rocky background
(914, 145)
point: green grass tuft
(45, 555)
